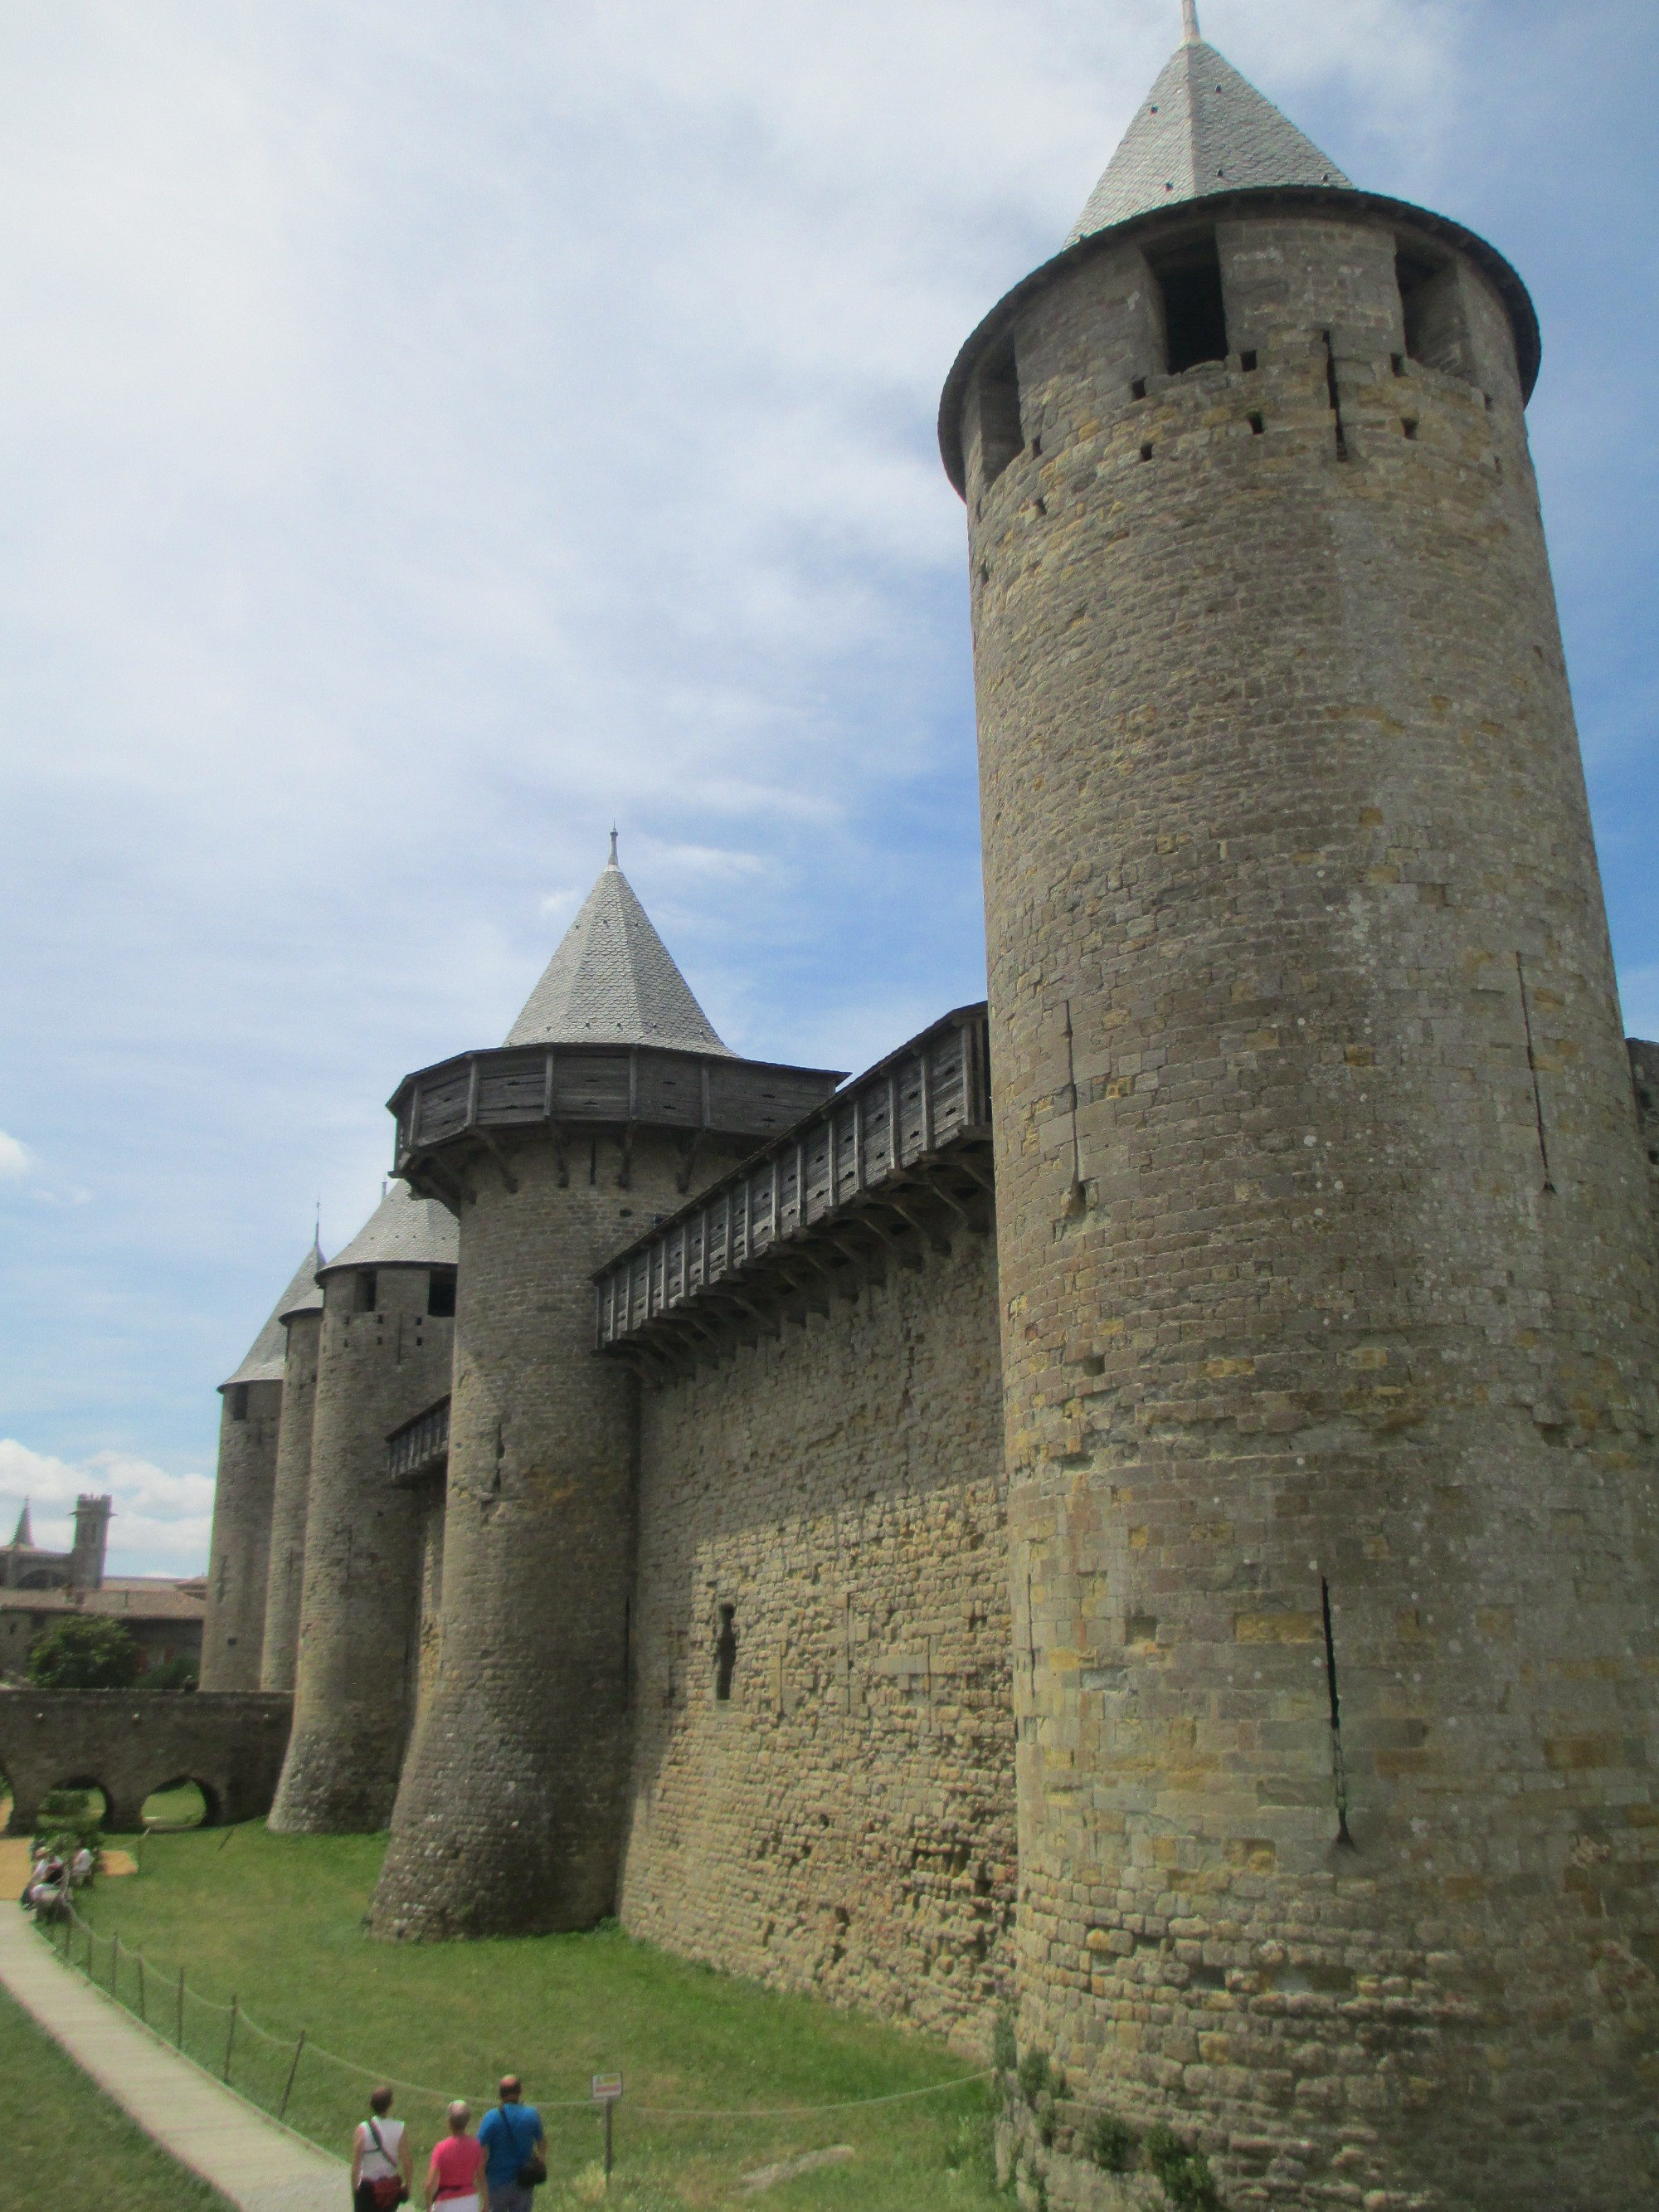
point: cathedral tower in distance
(1327, 1281)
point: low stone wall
(821, 1539)
(128, 1743)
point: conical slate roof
(613, 981)
(268, 1353)
(24, 1540)
(1202, 128)
(403, 1231)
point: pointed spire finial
(1190, 30)
(613, 862)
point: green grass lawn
(276, 1921)
(61, 2141)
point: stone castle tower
(302, 1320)
(251, 1400)
(611, 1099)
(383, 1354)
(1327, 1286)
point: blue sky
(429, 431)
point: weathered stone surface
(843, 1820)
(290, 1500)
(129, 1744)
(233, 1633)
(1327, 1267)
(358, 1659)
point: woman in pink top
(455, 2176)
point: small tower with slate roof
(612, 1100)
(302, 1325)
(233, 1633)
(1329, 1324)
(384, 1353)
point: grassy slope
(65, 2143)
(276, 1919)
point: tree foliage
(90, 1652)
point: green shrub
(64, 1821)
(175, 1674)
(1188, 2184)
(1111, 2142)
(1035, 2075)
(91, 1652)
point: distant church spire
(1190, 30)
(614, 862)
(24, 1540)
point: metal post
(143, 2015)
(609, 2107)
(230, 2039)
(181, 2007)
(287, 2089)
(115, 1965)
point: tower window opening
(726, 1655)
(1194, 314)
(1409, 426)
(1432, 309)
(1138, 389)
(1000, 434)
(1248, 360)
(363, 1291)
(1146, 453)
(1257, 425)
(441, 1293)
(1398, 362)
(238, 1402)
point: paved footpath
(260, 2166)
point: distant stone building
(1141, 1503)
(39, 1588)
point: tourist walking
(455, 2178)
(382, 2166)
(516, 2149)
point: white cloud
(160, 1524)
(14, 1157)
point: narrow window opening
(1194, 315)
(1138, 389)
(985, 572)
(1409, 426)
(1040, 505)
(1397, 361)
(1247, 361)
(441, 1293)
(725, 1653)
(1432, 309)
(1257, 426)
(363, 1291)
(1000, 437)
(1036, 446)
(1146, 453)
(1335, 390)
(239, 1401)
(1338, 1772)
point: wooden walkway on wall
(877, 1174)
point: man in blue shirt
(511, 2133)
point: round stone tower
(1328, 1310)
(233, 1632)
(612, 1098)
(384, 1357)
(303, 1323)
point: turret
(384, 1354)
(92, 1517)
(302, 1328)
(612, 1100)
(233, 1633)
(1328, 1320)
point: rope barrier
(241, 2022)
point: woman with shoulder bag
(455, 2178)
(382, 2168)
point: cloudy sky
(429, 431)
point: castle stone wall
(1326, 1267)
(1644, 1074)
(290, 1497)
(129, 1744)
(233, 1633)
(359, 1613)
(844, 1822)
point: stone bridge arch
(128, 1743)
